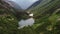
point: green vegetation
(46, 14)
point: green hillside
(46, 15)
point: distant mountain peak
(21, 4)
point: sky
(24, 4)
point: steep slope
(45, 6)
(46, 14)
(46, 22)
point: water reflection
(27, 22)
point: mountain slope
(46, 15)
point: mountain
(47, 19)
(14, 5)
(35, 4)
(18, 6)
